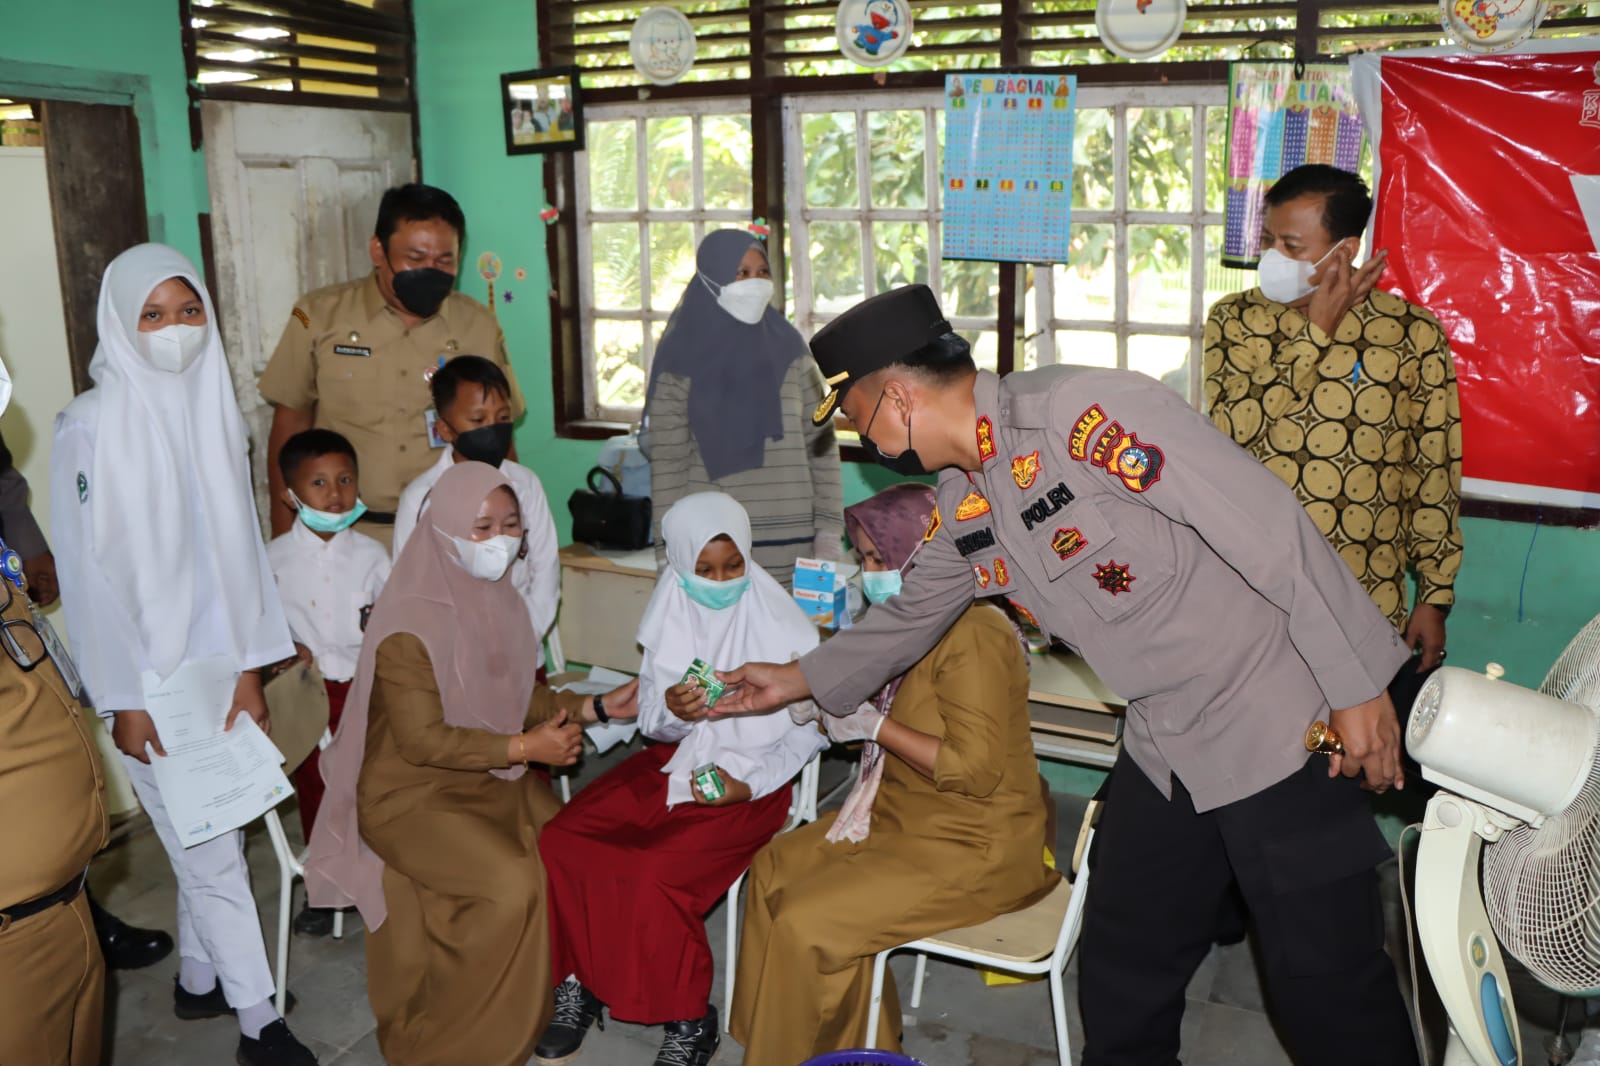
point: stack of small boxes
(821, 591)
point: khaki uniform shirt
(51, 786)
(346, 354)
(1364, 426)
(1181, 570)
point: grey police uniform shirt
(1183, 571)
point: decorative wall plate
(1139, 29)
(874, 33)
(662, 44)
(1491, 25)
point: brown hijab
(481, 645)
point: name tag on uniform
(351, 349)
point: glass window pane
(619, 363)
(614, 247)
(669, 145)
(1093, 159)
(671, 262)
(1164, 358)
(1158, 274)
(835, 258)
(899, 254)
(613, 166)
(971, 290)
(895, 151)
(1086, 287)
(1221, 280)
(1160, 157)
(1216, 157)
(1086, 348)
(985, 347)
(830, 154)
(725, 140)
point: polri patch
(973, 506)
(982, 575)
(985, 439)
(1025, 470)
(1046, 505)
(1083, 432)
(976, 541)
(352, 349)
(83, 486)
(1114, 577)
(302, 317)
(1068, 541)
(1128, 459)
(1026, 614)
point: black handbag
(609, 519)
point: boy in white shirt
(472, 399)
(328, 577)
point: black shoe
(127, 947)
(314, 921)
(576, 1010)
(276, 1046)
(192, 1008)
(691, 1043)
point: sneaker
(576, 1010)
(691, 1043)
(276, 1046)
(314, 921)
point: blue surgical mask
(716, 595)
(880, 585)
(326, 521)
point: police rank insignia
(1025, 470)
(933, 526)
(972, 507)
(1068, 542)
(1001, 576)
(982, 575)
(1128, 459)
(985, 439)
(83, 486)
(1083, 432)
(1113, 578)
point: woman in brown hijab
(430, 821)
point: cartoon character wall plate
(1491, 25)
(1139, 29)
(874, 33)
(662, 44)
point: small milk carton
(821, 591)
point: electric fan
(1519, 770)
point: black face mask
(486, 444)
(906, 464)
(422, 289)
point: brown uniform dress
(52, 978)
(348, 356)
(460, 970)
(942, 854)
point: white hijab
(766, 625)
(167, 445)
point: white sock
(254, 1019)
(196, 975)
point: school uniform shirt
(537, 576)
(1364, 425)
(347, 355)
(1184, 573)
(325, 585)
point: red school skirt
(631, 882)
(308, 778)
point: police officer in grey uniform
(1191, 581)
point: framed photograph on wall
(543, 110)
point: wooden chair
(1035, 940)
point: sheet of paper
(211, 781)
(604, 735)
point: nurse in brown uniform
(356, 357)
(1194, 585)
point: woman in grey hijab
(732, 389)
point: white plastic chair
(802, 809)
(290, 866)
(1035, 940)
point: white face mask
(746, 300)
(489, 559)
(1286, 280)
(172, 348)
(5, 388)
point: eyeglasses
(19, 637)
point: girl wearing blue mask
(638, 857)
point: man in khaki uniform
(1192, 582)
(356, 358)
(52, 976)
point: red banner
(1489, 205)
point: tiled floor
(960, 1021)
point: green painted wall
(118, 51)
(462, 50)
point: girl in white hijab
(639, 856)
(161, 563)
